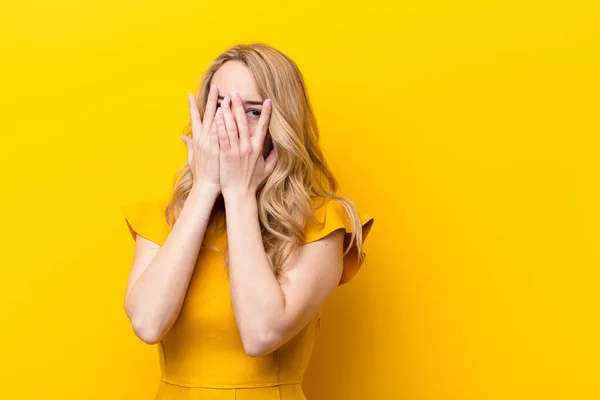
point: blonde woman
(231, 270)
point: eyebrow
(252, 102)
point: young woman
(231, 270)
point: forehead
(235, 76)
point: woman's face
(235, 76)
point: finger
(271, 161)
(263, 123)
(214, 131)
(222, 132)
(230, 125)
(211, 106)
(240, 118)
(213, 138)
(194, 116)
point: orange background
(469, 129)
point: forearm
(157, 296)
(256, 294)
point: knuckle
(245, 150)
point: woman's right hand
(203, 147)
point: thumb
(188, 145)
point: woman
(230, 272)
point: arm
(160, 275)
(269, 314)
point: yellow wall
(469, 128)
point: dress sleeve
(331, 217)
(147, 218)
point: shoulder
(330, 215)
(146, 217)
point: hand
(203, 146)
(243, 167)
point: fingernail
(213, 87)
(235, 95)
(225, 102)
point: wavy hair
(301, 178)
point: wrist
(235, 194)
(236, 197)
(203, 189)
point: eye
(255, 111)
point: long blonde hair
(301, 176)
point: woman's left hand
(242, 165)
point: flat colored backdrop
(470, 130)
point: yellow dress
(202, 357)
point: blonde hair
(285, 199)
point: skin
(234, 161)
